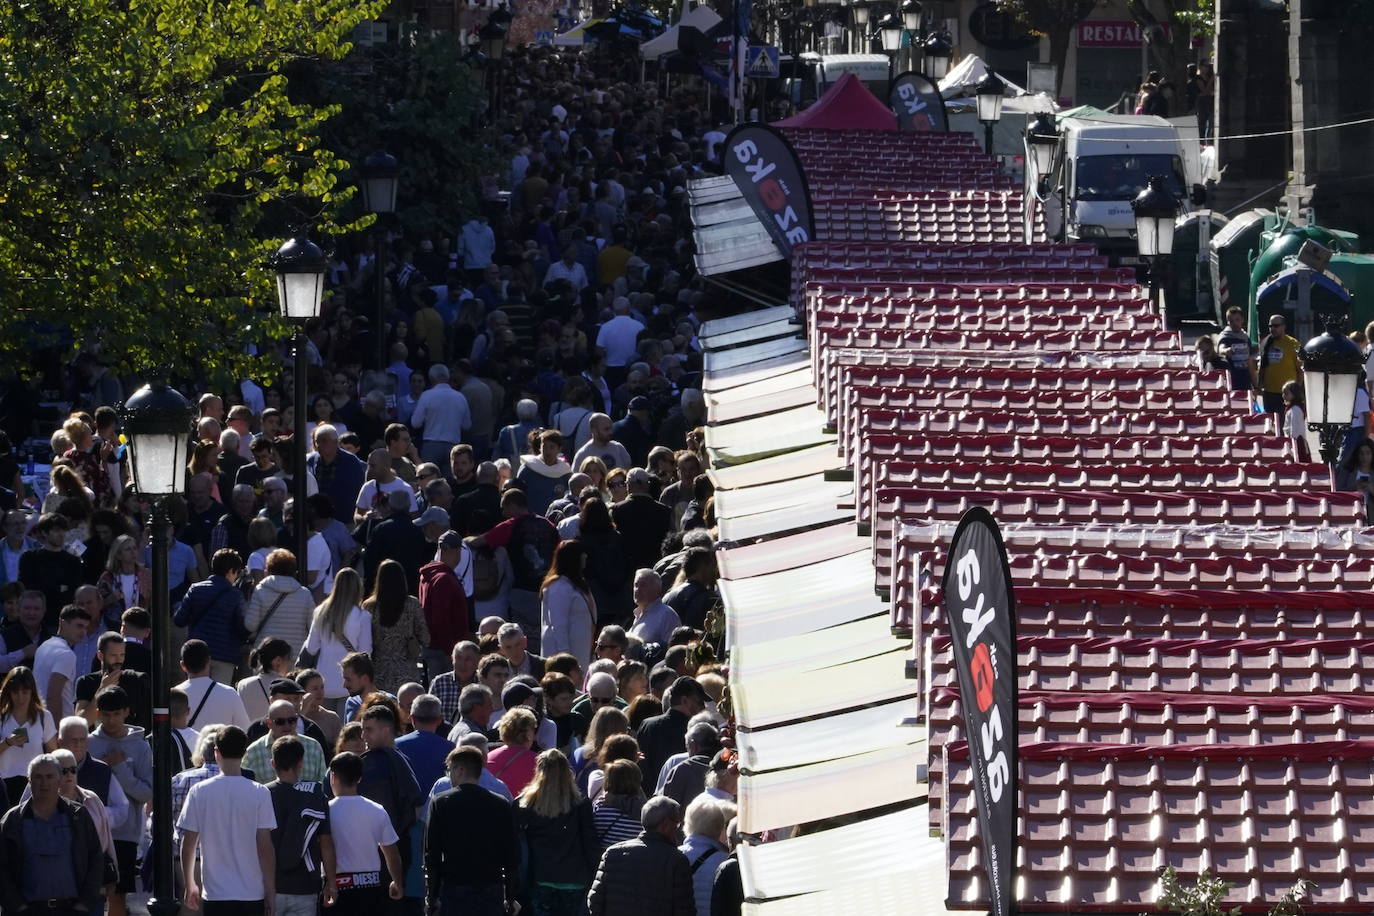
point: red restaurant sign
(1106, 33)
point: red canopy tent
(846, 105)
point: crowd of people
(494, 678)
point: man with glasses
(602, 691)
(281, 720)
(1278, 365)
(612, 643)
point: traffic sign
(543, 37)
(761, 62)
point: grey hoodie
(135, 775)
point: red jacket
(447, 613)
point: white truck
(806, 76)
(1101, 163)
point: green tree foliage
(416, 101)
(151, 155)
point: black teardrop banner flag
(981, 610)
(917, 103)
(766, 171)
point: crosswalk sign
(543, 37)
(761, 62)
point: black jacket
(646, 876)
(562, 850)
(727, 893)
(660, 737)
(644, 523)
(88, 860)
(455, 853)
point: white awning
(781, 521)
(774, 330)
(700, 17)
(768, 801)
(848, 642)
(798, 601)
(745, 320)
(780, 698)
(789, 552)
(801, 377)
(855, 854)
(723, 379)
(765, 404)
(829, 737)
(745, 356)
(916, 891)
(802, 491)
(761, 437)
(800, 463)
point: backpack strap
(701, 860)
(201, 705)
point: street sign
(543, 37)
(761, 62)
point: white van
(807, 76)
(1102, 162)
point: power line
(1257, 136)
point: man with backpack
(446, 586)
(529, 540)
(301, 840)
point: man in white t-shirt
(381, 480)
(363, 834)
(54, 664)
(602, 445)
(619, 337)
(212, 703)
(231, 820)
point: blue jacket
(340, 481)
(213, 611)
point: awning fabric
(764, 405)
(725, 379)
(760, 437)
(782, 521)
(745, 320)
(913, 892)
(699, 17)
(780, 698)
(846, 105)
(788, 552)
(800, 463)
(782, 381)
(853, 854)
(835, 787)
(816, 650)
(756, 334)
(828, 738)
(803, 491)
(798, 601)
(747, 356)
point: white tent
(575, 36)
(703, 18)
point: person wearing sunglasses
(1278, 364)
(281, 721)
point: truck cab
(1102, 162)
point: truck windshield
(1123, 177)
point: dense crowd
(493, 679)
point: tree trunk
(1169, 50)
(1059, 52)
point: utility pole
(1299, 193)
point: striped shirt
(613, 824)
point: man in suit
(642, 521)
(511, 642)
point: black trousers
(231, 907)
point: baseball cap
(434, 515)
(517, 693)
(284, 686)
(640, 476)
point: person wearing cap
(282, 719)
(285, 688)
(635, 430)
(446, 585)
(642, 520)
(545, 475)
(434, 521)
(125, 749)
(662, 736)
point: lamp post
(910, 12)
(1331, 364)
(158, 423)
(493, 36)
(938, 51)
(989, 94)
(860, 10)
(380, 178)
(300, 266)
(1042, 138)
(1155, 210)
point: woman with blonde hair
(513, 762)
(125, 583)
(561, 845)
(595, 468)
(340, 626)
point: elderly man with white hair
(443, 413)
(705, 824)
(619, 338)
(513, 440)
(654, 620)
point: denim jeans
(472, 900)
(297, 905)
